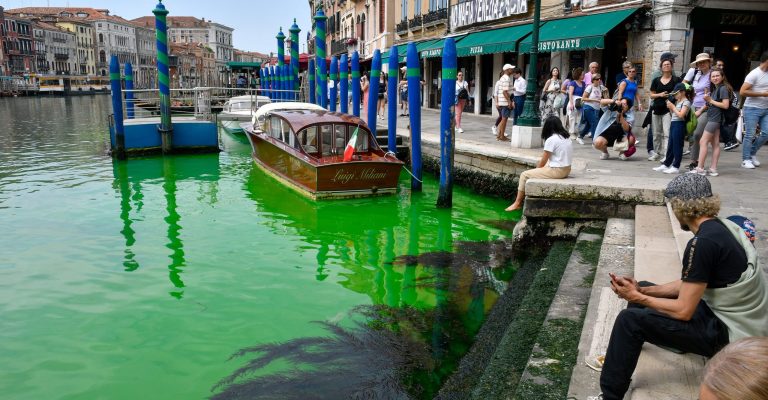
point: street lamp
(530, 115)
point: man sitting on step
(721, 296)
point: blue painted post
(279, 81)
(273, 81)
(392, 93)
(373, 90)
(356, 84)
(320, 50)
(161, 35)
(287, 83)
(281, 85)
(414, 105)
(128, 90)
(447, 126)
(117, 106)
(294, 30)
(335, 79)
(344, 84)
(311, 78)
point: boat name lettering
(368, 174)
(372, 174)
(343, 176)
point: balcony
(436, 17)
(402, 27)
(61, 56)
(414, 24)
(102, 64)
(338, 47)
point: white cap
(506, 67)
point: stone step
(617, 256)
(656, 252)
(553, 357)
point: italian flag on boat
(350, 149)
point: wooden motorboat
(303, 146)
(240, 109)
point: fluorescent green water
(139, 279)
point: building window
(403, 10)
(382, 16)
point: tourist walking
(364, 86)
(661, 119)
(755, 90)
(591, 110)
(403, 90)
(495, 99)
(698, 77)
(461, 97)
(551, 92)
(382, 105)
(555, 162)
(564, 90)
(505, 103)
(717, 102)
(575, 91)
(518, 89)
(678, 113)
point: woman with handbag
(461, 97)
(550, 92)
(718, 102)
(575, 90)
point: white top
(759, 81)
(502, 85)
(460, 85)
(593, 93)
(560, 149)
(679, 106)
(520, 85)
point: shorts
(711, 126)
(612, 134)
(404, 96)
(506, 112)
(381, 96)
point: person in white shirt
(755, 90)
(461, 96)
(494, 128)
(504, 101)
(518, 89)
(555, 162)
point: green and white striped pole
(161, 35)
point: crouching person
(721, 296)
(614, 127)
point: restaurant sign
(559, 45)
(477, 11)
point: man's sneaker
(672, 170)
(712, 172)
(595, 362)
(731, 145)
(580, 141)
(652, 156)
(598, 397)
(755, 162)
(622, 157)
(495, 131)
(588, 136)
(460, 130)
(660, 168)
(604, 156)
(747, 164)
(685, 153)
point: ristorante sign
(471, 12)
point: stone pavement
(742, 191)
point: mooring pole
(335, 80)
(129, 90)
(414, 105)
(294, 30)
(322, 77)
(311, 77)
(356, 84)
(344, 84)
(280, 62)
(117, 106)
(161, 34)
(447, 125)
(373, 90)
(392, 93)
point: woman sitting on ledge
(558, 150)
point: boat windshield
(240, 106)
(308, 140)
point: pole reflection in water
(174, 229)
(120, 169)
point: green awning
(436, 48)
(578, 33)
(243, 65)
(492, 41)
(402, 50)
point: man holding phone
(722, 295)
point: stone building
(362, 25)
(145, 69)
(3, 63)
(55, 49)
(18, 45)
(84, 32)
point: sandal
(595, 362)
(503, 139)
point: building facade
(145, 69)
(55, 50)
(84, 32)
(358, 25)
(19, 45)
(3, 63)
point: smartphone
(613, 276)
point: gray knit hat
(688, 187)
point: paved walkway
(742, 191)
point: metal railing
(402, 27)
(414, 23)
(435, 17)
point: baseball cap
(506, 67)
(667, 56)
(688, 187)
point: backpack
(691, 121)
(732, 113)
(463, 94)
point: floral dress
(550, 94)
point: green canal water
(140, 279)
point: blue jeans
(589, 120)
(751, 117)
(649, 144)
(519, 103)
(675, 144)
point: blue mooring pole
(129, 90)
(343, 84)
(392, 93)
(335, 79)
(161, 35)
(280, 62)
(447, 125)
(320, 51)
(414, 105)
(273, 82)
(373, 90)
(294, 31)
(311, 77)
(356, 84)
(117, 107)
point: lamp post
(530, 116)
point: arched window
(102, 56)
(101, 38)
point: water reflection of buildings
(130, 178)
